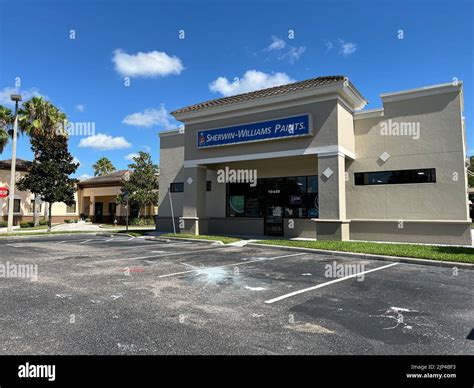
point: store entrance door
(274, 221)
(274, 208)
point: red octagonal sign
(4, 192)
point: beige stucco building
(325, 168)
(98, 199)
(23, 209)
(95, 199)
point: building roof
(269, 92)
(108, 179)
(20, 165)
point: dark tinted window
(423, 175)
(208, 185)
(177, 187)
(297, 197)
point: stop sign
(4, 192)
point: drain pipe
(172, 212)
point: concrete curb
(168, 239)
(112, 234)
(369, 256)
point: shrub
(3, 224)
(43, 222)
(24, 224)
(88, 220)
(143, 221)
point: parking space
(121, 295)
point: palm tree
(37, 117)
(6, 122)
(40, 118)
(103, 167)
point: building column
(332, 223)
(92, 208)
(194, 204)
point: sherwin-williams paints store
(304, 160)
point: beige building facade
(23, 209)
(98, 200)
(324, 168)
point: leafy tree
(39, 118)
(103, 167)
(51, 168)
(142, 182)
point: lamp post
(11, 202)
(126, 210)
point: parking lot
(120, 295)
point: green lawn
(458, 254)
(225, 240)
(135, 232)
(45, 233)
(41, 227)
(112, 226)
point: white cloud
(329, 45)
(80, 108)
(84, 177)
(277, 44)
(146, 148)
(150, 117)
(150, 64)
(131, 156)
(252, 80)
(25, 94)
(293, 54)
(347, 48)
(104, 142)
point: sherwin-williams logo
(264, 130)
(202, 140)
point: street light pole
(11, 202)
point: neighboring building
(325, 168)
(24, 201)
(95, 199)
(98, 199)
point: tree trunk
(35, 211)
(50, 205)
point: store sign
(4, 192)
(265, 130)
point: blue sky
(223, 40)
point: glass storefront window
(292, 197)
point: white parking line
(166, 254)
(326, 284)
(143, 246)
(231, 265)
(83, 242)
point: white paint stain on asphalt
(233, 264)
(255, 288)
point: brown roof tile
(274, 91)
